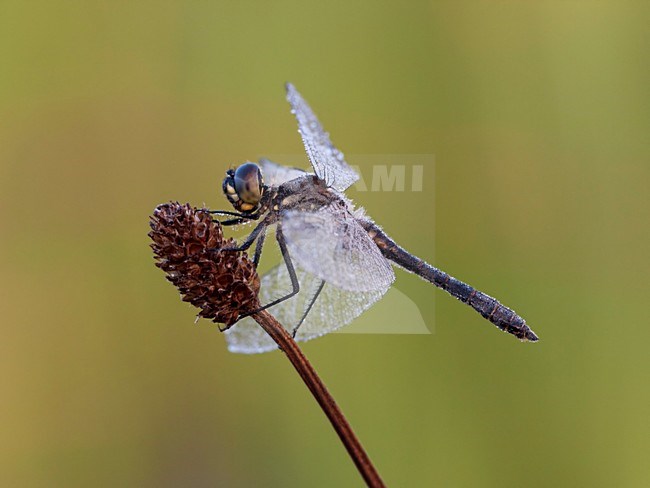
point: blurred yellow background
(538, 115)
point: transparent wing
(330, 244)
(328, 162)
(275, 174)
(333, 309)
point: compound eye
(248, 183)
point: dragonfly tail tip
(530, 336)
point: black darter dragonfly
(337, 261)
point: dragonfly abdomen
(503, 317)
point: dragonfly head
(244, 187)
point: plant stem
(286, 343)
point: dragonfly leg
(311, 304)
(240, 217)
(249, 239)
(228, 212)
(237, 221)
(258, 247)
(295, 285)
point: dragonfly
(336, 261)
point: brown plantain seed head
(188, 247)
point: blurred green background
(538, 116)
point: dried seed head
(187, 245)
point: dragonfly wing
(328, 162)
(333, 309)
(331, 244)
(275, 174)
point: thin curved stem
(286, 343)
